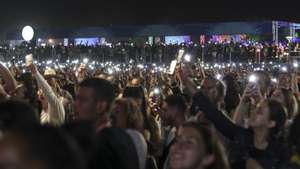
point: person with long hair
(197, 147)
(126, 114)
(150, 125)
(255, 91)
(260, 142)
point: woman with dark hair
(260, 141)
(257, 89)
(197, 147)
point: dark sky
(80, 13)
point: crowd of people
(142, 116)
(160, 52)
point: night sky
(80, 13)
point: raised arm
(222, 123)
(10, 82)
(203, 75)
(251, 97)
(185, 81)
(243, 108)
(57, 112)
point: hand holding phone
(179, 56)
(175, 62)
(172, 67)
(28, 59)
(256, 94)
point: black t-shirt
(241, 140)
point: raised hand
(32, 68)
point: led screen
(87, 41)
(177, 39)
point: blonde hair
(134, 117)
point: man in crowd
(93, 100)
(173, 116)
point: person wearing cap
(53, 112)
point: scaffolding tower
(278, 24)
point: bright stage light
(27, 33)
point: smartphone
(28, 59)
(179, 56)
(172, 67)
(252, 79)
(187, 58)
